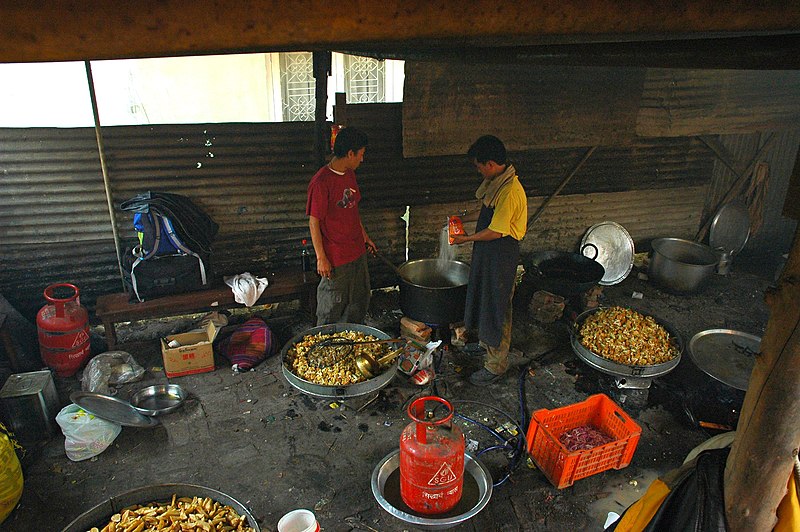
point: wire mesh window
(364, 79)
(297, 86)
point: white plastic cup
(298, 521)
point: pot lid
(112, 409)
(726, 355)
(614, 250)
(730, 227)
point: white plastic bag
(86, 434)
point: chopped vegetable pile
(583, 438)
(624, 336)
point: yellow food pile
(184, 513)
(340, 373)
(626, 337)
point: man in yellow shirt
(502, 222)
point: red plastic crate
(561, 467)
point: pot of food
(681, 266)
(334, 374)
(434, 291)
(563, 273)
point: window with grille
(297, 86)
(364, 79)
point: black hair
(347, 139)
(488, 148)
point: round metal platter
(337, 392)
(726, 355)
(615, 250)
(112, 409)
(730, 227)
(100, 514)
(623, 370)
(472, 466)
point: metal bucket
(100, 514)
(434, 291)
(681, 266)
(337, 392)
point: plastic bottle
(305, 257)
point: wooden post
(768, 433)
(322, 132)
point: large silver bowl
(337, 392)
(100, 514)
(472, 466)
(623, 370)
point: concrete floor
(258, 439)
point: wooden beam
(768, 434)
(68, 30)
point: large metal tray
(337, 392)
(100, 514)
(727, 355)
(614, 250)
(623, 370)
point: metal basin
(337, 392)
(100, 514)
(434, 291)
(681, 266)
(158, 399)
(391, 463)
(623, 370)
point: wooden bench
(285, 285)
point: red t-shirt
(333, 199)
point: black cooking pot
(563, 273)
(434, 291)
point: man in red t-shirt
(339, 238)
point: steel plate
(100, 514)
(615, 250)
(726, 355)
(337, 392)
(112, 409)
(158, 399)
(730, 227)
(623, 370)
(472, 466)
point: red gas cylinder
(63, 331)
(431, 458)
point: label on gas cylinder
(444, 475)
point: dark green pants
(344, 298)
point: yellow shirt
(511, 211)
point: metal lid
(614, 250)
(112, 409)
(726, 355)
(730, 227)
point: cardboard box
(191, 353)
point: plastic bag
(111, 368)
(86, 435)
(10, 474)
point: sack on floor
(250, 343)
(165, 275)
(86, 435)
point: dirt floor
(256, 438)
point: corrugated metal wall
(777, 231)
(252, 179)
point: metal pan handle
(589, 244)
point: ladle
(389, 263)
(368, 366)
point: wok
(563, 273)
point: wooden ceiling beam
(65, 30)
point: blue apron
(491, 280)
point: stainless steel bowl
(158, 399)
(472, 466)
(100, 514)
(337, 392)
(681, 266)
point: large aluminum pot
(681, 266)
(434, 291)
(99, 515)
